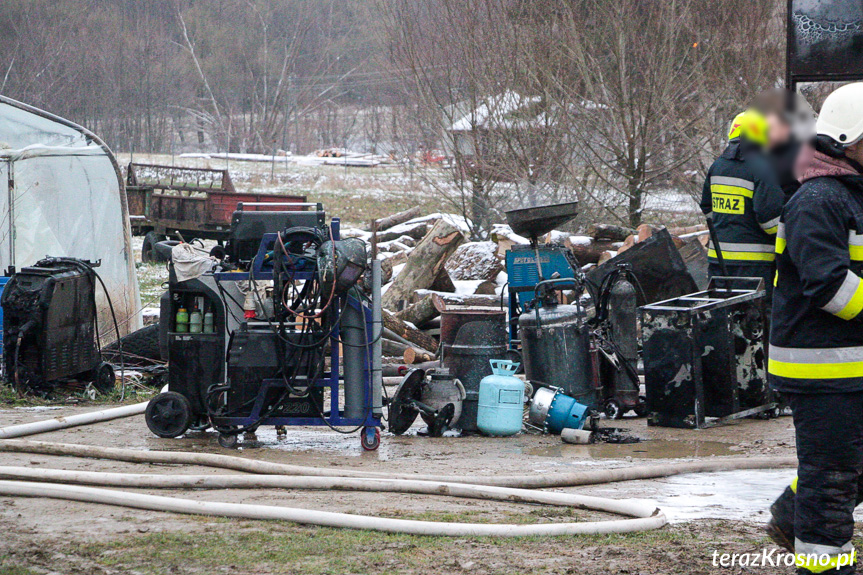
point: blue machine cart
(235, 379)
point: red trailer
(195, 203)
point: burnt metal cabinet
(704, 355)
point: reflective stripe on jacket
(742, 196)
(816, 339)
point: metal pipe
(377, 346)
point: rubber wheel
(612, 409)
(105, 380)
(228, 441)
(218, 252)
(138, 347)
(149, 255)
(370, 444)
(169, 414)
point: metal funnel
(534, 222)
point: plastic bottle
(196, 321)
(209, 322)
(182, 320)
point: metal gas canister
(501, 400)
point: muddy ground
(52, 536)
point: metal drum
(470, 337)
(556, 351)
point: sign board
(825, 40)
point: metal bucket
(470, 338)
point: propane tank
(501, 400)
(555, 342)
(622, 316)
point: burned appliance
(556, 344)
(470, 338)
(270, 353)
(49, 326)
(704, 355)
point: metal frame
(703, 301)
(330, 379)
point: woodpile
(428, 263)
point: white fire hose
(514, 488)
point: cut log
(609, 232)
(441, 300)
(414, 336)
(388, 264)
(425, 263)
(416, 231)
(443, 283)
(487, 287)
(474, 261)
(393, 348)
(419, 313)
(413, 355)
(399, 218)
(591, 254)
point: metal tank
(470, 337)
(555, 342)
(622, 315)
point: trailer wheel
(149, 255)
(169, 414)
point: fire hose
(506, 488)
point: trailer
(192, 203)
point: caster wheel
(281, 431)
(612, 409)
(218, 252)
(228, 441)
(105, 379)
(641, 408)
(370, 438)
(169, 414)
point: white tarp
(61, 194)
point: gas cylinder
(622, 316)
(555, 342)
(501, 400)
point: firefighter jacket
(743, 198)
(816, 339)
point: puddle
(651, 449)
(296, 440)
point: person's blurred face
(778, 131)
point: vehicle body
(194, 203)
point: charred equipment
(274, 319)
(591, 360)
(50, 329)
(704, 355)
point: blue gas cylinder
(501, 400)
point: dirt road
(43, 536)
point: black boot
(780, 528)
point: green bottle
(182, 320)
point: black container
(477, 336)
(704, 356)
(555, 343)
(51, 308)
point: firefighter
(816, 343)
(743, 199)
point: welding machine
(280, 316)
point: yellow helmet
(751, 125)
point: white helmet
(841, 116)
